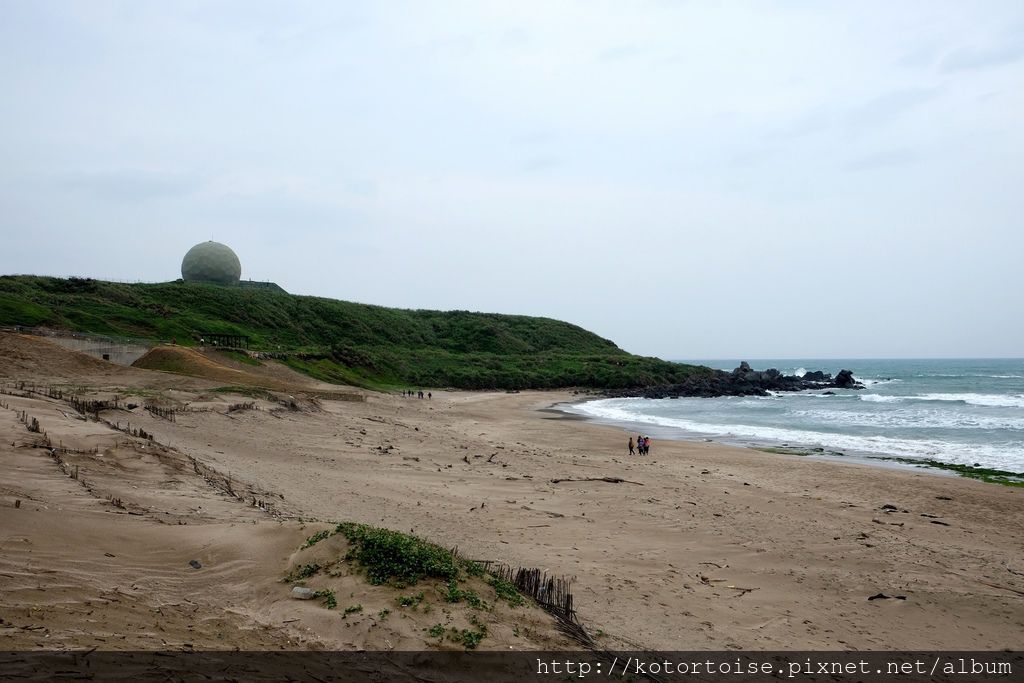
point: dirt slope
(212, 365)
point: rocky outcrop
(745, 381)
(845, 380)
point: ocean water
(968, 412)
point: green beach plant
(330, 600)
(470, 597)
(316, 538)
(469, 638)
(505, 590)
(410, 600)
(397, 558)
(303, 572)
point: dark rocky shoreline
(743, 381)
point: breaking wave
(987, 400)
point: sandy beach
(697, 546)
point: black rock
(195, 564)
(743, 381)
(845, 380)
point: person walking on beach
(647, 445)
(631, 445)
(640, 444)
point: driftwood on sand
(610, 480)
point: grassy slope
(341, 341)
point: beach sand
(700, 546)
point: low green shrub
(303, 572)
(394, 557)
(316, 538)
(330, 600)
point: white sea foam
(990, 400)
(800, 372)
(973, 374)
(882, 398)
(913, 418)
(872, 381)
(987, 400)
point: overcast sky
(688, 179)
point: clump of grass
(316, 538)
(330, 600)
(303, 572)
(436, 631)
(352, 609)
(383, 614)
(456, 594)
(410, 600)
(396, 558)
(469, 638)
(506, 590)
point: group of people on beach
(642, 447)
(417, 394)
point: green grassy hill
(341, 341)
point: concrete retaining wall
(114, 351)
